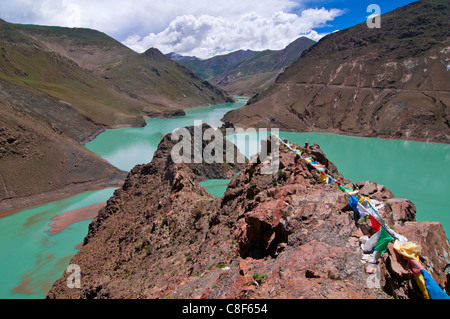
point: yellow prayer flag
(421, 283)
(408, 249)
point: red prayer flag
(375, 225)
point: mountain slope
(41, 152)
(59, 87)
(387, 82)
(97, 75)
(245, 72)
(154, 78)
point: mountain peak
(304, 41)
(154, 53)
(245, 72)
(174, 56)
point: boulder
(403, 210)
(374, 191)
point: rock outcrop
(281, 235)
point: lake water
(216, 187)
(32, 259)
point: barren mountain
(388, 82)
(103, 79)
(41, 153)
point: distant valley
(281, 223)
(245, 72)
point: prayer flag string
(383, 235)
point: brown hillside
(41, 157)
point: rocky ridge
(281, 235)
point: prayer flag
(375, 225)
(434, 291)
(409, 249)
(353, 203)
(368, 246)
(383, 241)
(357, 207)
(421, 283)
(331, 180)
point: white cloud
(197, 27)
(206, 35)
(120, 18)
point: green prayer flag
(383, 241)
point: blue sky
(202, 28)
(355, 11)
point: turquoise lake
(32, 259)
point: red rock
(374, 190)
(403, 210)
(435, 252)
